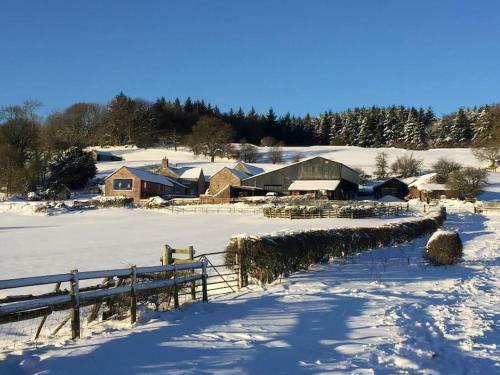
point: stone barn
(392, 186)
(226, 176)
(140, 184)
(316, 176)
(425, 189)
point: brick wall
(221, 179)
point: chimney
(164, 163)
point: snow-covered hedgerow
(104, 202)
(267, 257)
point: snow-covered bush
(267, 257)
(356, 211)
(156, 202)
(444, 247)
(104, 202)
(57, 192)
(33, 196)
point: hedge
(268, 257)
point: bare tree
(406, 166)
(248, 153)
(468, 181)
(490, 154)
(381, 165)
(443, 168)
(275, 154)
(210, 137)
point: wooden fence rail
(23, 307)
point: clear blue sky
(297, 56)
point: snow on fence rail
(130, 282)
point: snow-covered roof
(192, 173)
(149, 176)
(252, 169)
(390, 198)
(425, 183)
(380, 183)
(314, 185)
(240, 174)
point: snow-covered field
(113, 238)
(384, 311)
(350, 155)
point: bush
(268, 257)
(443, 168)
(444, 247)
(406, 166)
(72, 168)
(104, 202)
(156, 202)
(468, 181)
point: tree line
(29, 143)
(169, 123)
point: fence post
(238, 263)
(75, 305)
(204, 282)
(133, 296)
(167, 255)
(176, 291)
(193, 283)
(242, 273)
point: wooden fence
(128, 283)
(486, 207)
(336, 212)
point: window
(122, 184)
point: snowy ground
(114, 238)
(383, 311)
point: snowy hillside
(384, 311)
(349, 155)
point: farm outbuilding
(141, 184)
(392, 186)
(319, 176)
(425, 189)
(104, 156)
(192, 178)
(224, 177)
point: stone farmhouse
(425, 189)
(192, 178)
(141, 184)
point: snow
(383, 311)
(390, 198)
(349, 155)
(312, 185)
(192, 173)
(492, 191)
(119, 237)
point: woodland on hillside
(31, 146)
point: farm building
(425, 189)
(249, 169)
(104, 156)
(226, 176)
(140, 184)
(319, 176)
(192, 178)
(392, 186)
